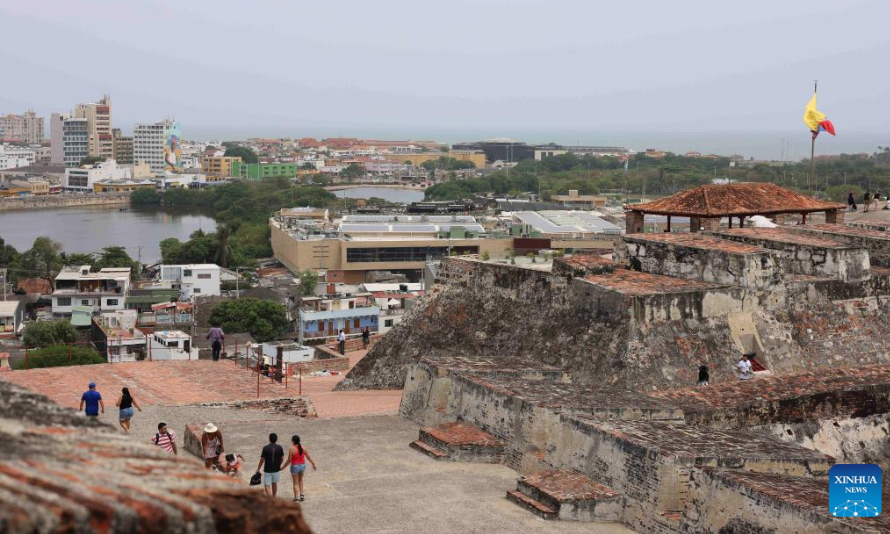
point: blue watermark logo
(854, 490)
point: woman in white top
(212, 445)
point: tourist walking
(744, 366)
(341, 340)
(126, 403)
(165, 439)
(212, 445)
(851, 201)
(877, 200)
(866, 201)
(296, 458)
(366, 337)
(216, 337)
(92, 399)
(270, 463)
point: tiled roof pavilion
(707, 204)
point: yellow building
(218, 165)
(120, 186)
(574, 200)
(477, 157)
(38, 187)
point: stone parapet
(60, 472)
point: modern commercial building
(25, 128)
(101, 291)
(558, 224)
(98, 116)
(123, 147)
(263, 170)
(219, 165)
(70, 139)
(85, 178)
(358, 244)
(158, 144)
(546, 151)
(575, 201)
(14, 156)
(193, 279)
(507, 150)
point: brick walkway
(188, 382)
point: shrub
(262, 319)
(61, 356)
(43, 333)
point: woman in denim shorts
(297, 457)
(127, 403)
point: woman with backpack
(297, 457)
(126, 403)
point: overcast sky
(468, 65)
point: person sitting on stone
(744, 366)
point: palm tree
(223, 245)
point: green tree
(224, 250)
(78, 258)
(91, 160)
(308, 281)
(354, 170)
(8, 254)
(262, 319)
(117, 257)
(61, 356)
(43, 260)
(44, 333)
(308, 166)
(145, 196)
(247, 155)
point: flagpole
(813, 144)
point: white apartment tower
(148, 143)
(25, 128)
(98, 116)
(70, 140)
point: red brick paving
(698, 241)
(635, 283)
(187, 382)
(462, 434)
(569, 485)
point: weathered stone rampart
(60, 472)
(63, 201)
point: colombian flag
(815, 119)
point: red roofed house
(706, 205)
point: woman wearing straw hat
(212, 445)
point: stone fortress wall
(589, 367)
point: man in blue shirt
(93, 400)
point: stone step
(572, 495)
(533, 506)
(429, 450)
(464, 442)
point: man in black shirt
(270, 463)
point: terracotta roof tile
(751, 198)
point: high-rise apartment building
(158, 145)
(123, 147)
(25, 128)
(98, 116)
(70, 139)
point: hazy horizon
(684, 75)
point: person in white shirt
(341, 338)
(744, 366)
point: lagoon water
(89, 228)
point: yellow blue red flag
(815, 119)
